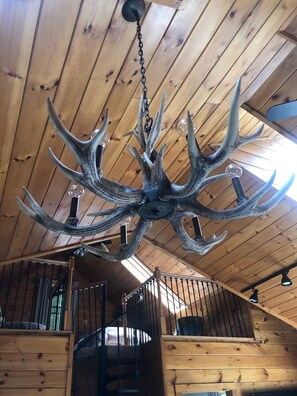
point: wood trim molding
(288, 36)
(36, 256)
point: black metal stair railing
(163, 304)
(108, 360)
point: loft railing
(89, 313)
(88, 310)
(207, 310)
(35, 295)
(189, 306)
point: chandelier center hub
(156, 210)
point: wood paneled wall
(269, 362)
(35, 363)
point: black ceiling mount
(131, 8)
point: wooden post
(163, 328)
(68, 310)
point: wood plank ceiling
(83, 55)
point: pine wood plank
(16, 41)
(31, 344)
(33, 361)
(32, 379)
(275, 81)
(280, 16)
(41, 83)
(186, 348)
(106, 70)
(266, 54)
(232, 375)
(85, 46)
(211, 75)
(256, 241)
(188, 362)
(239, 268)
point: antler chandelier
(159, 198)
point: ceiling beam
(58, 250)
(288, 36)
(272, 125)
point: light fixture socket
(254, 297)
(286, 281)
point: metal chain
(148, 119)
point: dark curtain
(43, 301)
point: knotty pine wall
(269, 362)
(34, 363)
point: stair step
(115, 377)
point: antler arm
(85, 152)
(189, 244)
(128, 250)
(248, 208)
(202, 165)
(41, 217)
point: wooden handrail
(95, 284)
(197, 278)
(68, 308)
(139, 287)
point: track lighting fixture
(254, 297)
(286, 281)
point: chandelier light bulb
(126, 221)
(104, 141)
(235, 169)
(182, 127)
(76, 190)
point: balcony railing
(35, 295)
(190, 306)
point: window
(142, 273)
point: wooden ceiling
(83, 55)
